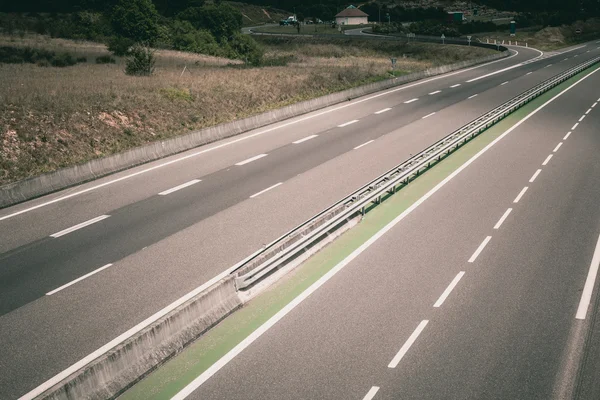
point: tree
(222, 20)
(136, 20)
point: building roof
(352, 12)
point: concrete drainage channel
(110, 373)
(28, 189)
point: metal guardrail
(356, 202)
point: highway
(482, 291)
(82, 266)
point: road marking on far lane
(77, 280)
(176, 188)
(348, 123)
(590, 281)
(575, 126)
(582, 117)
(535, 175)
(594, 105)
(449, 289)
(480, 249)
(588, 111)
(305, 139)
(428, 115)
(470, 97)
(454, 86)
(547, 160)
(529, 73)
(436, 92)
(567, 135)
(79, 226)
(266, 190)
(557, 147)
(410, 101)
(251, 159)
(382, 111)
(406, 346)
(371, 393)
(364, 144)
(502, 218)
(521, 193)
(503, 83)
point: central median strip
(230, 332)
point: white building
(351, 16)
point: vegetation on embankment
(56, 117)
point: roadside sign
(443, 39)
(469, 40)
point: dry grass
(56, 117)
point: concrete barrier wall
(117, 370)
(44, 184)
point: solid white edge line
(249, 160)
(449, 289)
(428, 115)
(547, 160)
(305, 139)
(182, 186)
(364, 144)
(470, 97)
(411, 100)
(263, 328)
(407, 345)
(283, 125)
(521, 193)
(348, 123)
(502, 218)
(535, 175)
(436, 92)
(371, 393)
(266, 190)
(213, 369)
(79, 226)
(582, 117)
(77, 280)
(567, 135)
(590, 281)
(557, 147)
(480, 249)
(382, 111)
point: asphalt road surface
(82, 266)
(479, 293)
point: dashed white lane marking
(470, 97)
(480, 249)
(176, 188)
(575, 55)
(455, 86)
(547, 160)
(549, 65)
(503, 83)
(567, 135)
(575, 126)
(582, 117)
(371, 393)
(79, 226)
(251, 159)
(529, 73)
(502, 218)
(364, 144)
(594, 105)
(436, 92)
(557, 147)
(348, 123)
(410, 101)
(266, 190)
(566, 59)
(382, 111)
(428, 115)
(535, 175)
(588, 111)
(77, 280)
(305, 139)
(449, 289)
(586, 296)
(520, 195)
(406, 346)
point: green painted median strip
(178, 372)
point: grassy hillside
(256, 15)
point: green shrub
(136, 20)
(63, 60)
(140, 61)
(246, 48)
(119, 45)
(81, 59)
(105, 60)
